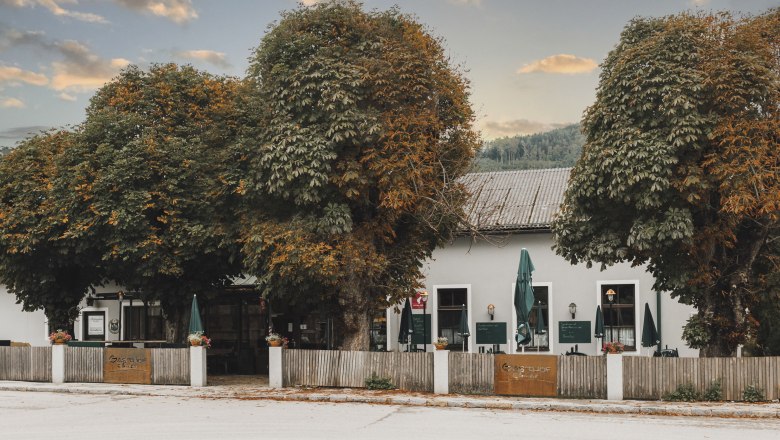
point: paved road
(38, 415)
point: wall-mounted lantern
(491, 311)
(573, 310)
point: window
(619, 313)
(378, 336)
(452, 303)
(143, 323)
(539, 341)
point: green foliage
(44, 265)
(679, 169)
(713, 393)
(683, 393)
(358, 129)
(695, 332)
(379, 383)
(558, 148)
(753, 393)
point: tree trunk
(354, 317)
(174, 326)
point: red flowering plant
(199, 339)
(60, 337)
(613, 347)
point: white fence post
(275, 367)
(614, 377)
(441, 372)
(58, 363)
(198, 377)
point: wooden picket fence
(471, 373)
(171, 366)
(652, 378)
(329, 368)
(84, 364)
(31, 364)
(582, 377)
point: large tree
(41, 262)
(681, 167)
(143, 184)
(361, 128)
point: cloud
(15, 133)
(562, 63)
(216, 58)
(81, 70)
(178, 11)
(11, 103)
(77, 70)
(494, 129)
(65, 97)
(10, 75)
(54, 7)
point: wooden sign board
(491, 333)
(574, 332)
(127, 365)
(526, 375)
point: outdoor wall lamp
(610, 295)
(491, 311)
(573, 309)
(424, 297)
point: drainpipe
(658, 314)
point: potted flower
(60, 337)
(613, 347)
(198, 339)
(274, 339)
(441, 343)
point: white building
(514, 210)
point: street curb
(650, 409)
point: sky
(533, 65)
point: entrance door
(94, 326)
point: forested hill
(557, 148)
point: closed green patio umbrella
(599, 332)
(540, 328)
(406, 328)
(196, 325)
(524, 297)
(649, 332)
(463, 328)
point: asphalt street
(40, 415)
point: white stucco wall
(490, 270)
(19, 326)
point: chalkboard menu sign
(417, 324)
(491, 333)
(574, 332)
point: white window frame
(637, 315)
(435, 312)
(550, 318)
(77, 327)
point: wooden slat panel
(83, 364)
(582, 377)
(471, 373)
(326, 368)
(171, 366)
(31, 364)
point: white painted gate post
(275, 367)
(441, 372)
(58, 363)
(614, 377)
(198, 377)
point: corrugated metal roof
(512, 200)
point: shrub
(753, 393)
(379, 383)
(684, 393)
(714, 392)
